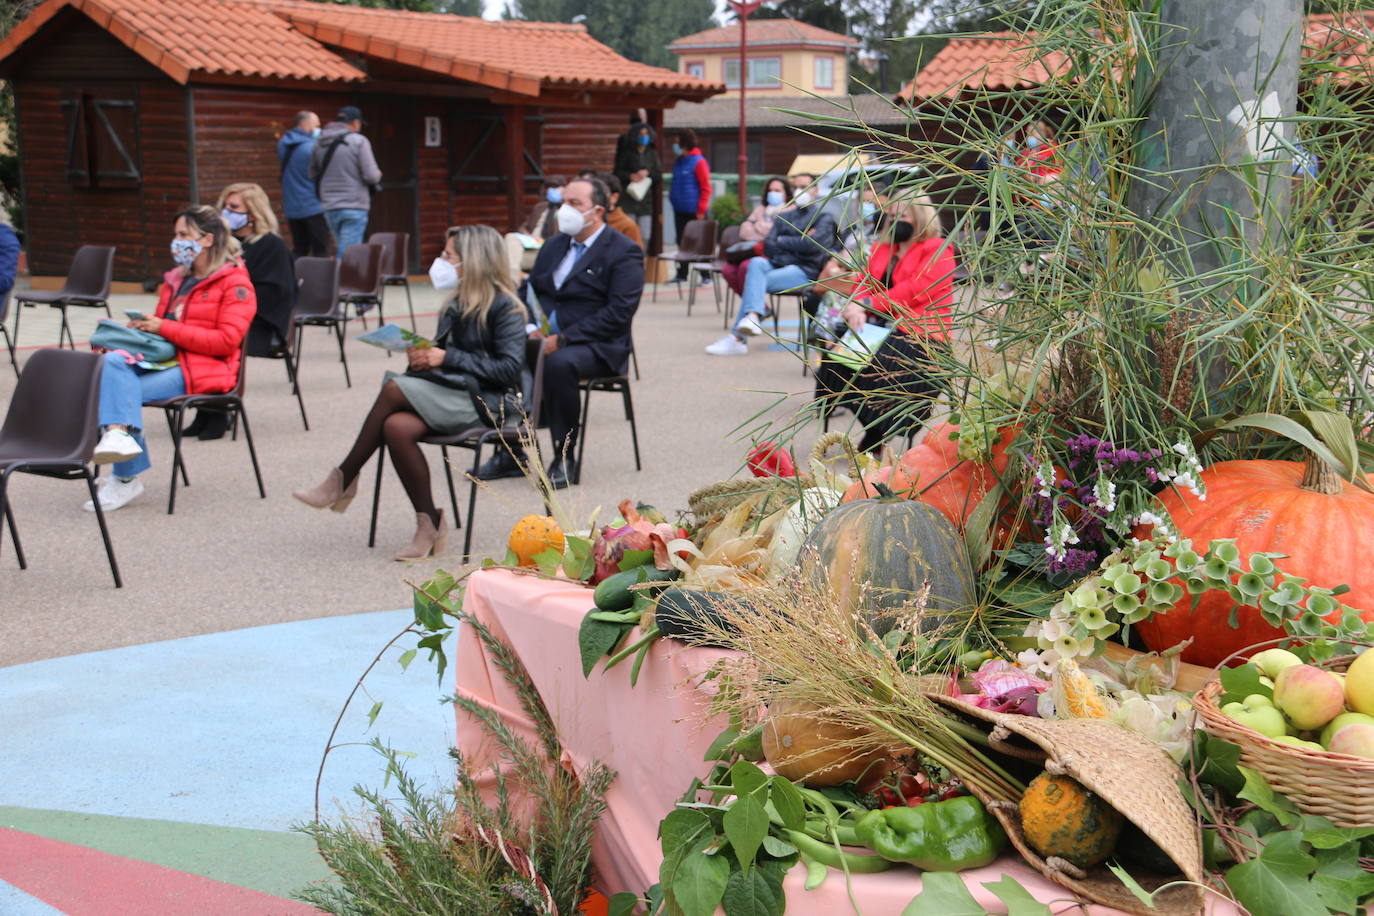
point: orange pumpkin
(953, 485)
(533, 535)
(1322, 524)
(895, 478)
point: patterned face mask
(184, 252)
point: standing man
(309, 231)
(346, 175)
(588, 279)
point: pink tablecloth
(653, 736)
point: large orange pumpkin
(1324, 525)
(897, 479)
(953, 485)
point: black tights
(393, 422)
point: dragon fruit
(639, 536)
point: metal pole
(744, 12)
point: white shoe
(115, 493)
(115, 446)
(729, 345)
(749, 327)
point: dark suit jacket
(599, 298)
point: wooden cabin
(130, 109)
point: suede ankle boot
(330, 494)
(429, 540)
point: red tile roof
(763, 32)
(210, 37)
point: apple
(1309, 696)
(1272, 661)
(1341, 721)
(1262, 717)
(1298, 742)
(1357, 740)
(1359, 683)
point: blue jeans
(124, 389)
(762, 278)
(347, 227)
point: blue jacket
(691, 190)
(297, 190)
(9, 259)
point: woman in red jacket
(907, 284)
(205, 307)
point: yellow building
(785, 58)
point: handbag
(142, 345)
(740, 252)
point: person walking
(690, 194)
(345, 174)
(305, 216)
(640, 175)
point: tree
(823, 14)
(640, 31)
(457, 7)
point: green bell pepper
(938, 836)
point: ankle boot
(330, 494)
(429, 541)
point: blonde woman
(908, 283)
(204, 309)
(481, 338)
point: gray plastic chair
(87, 285)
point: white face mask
(443, 275)
(571, 220)
(804, 198)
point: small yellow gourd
(533, 535)
(1060, 817)
(1075, 695)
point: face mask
(803, 199)
(868, 209)
(1032, 141)
(554, 195)
(184, 252)
(902, 231)
(571, 220)
(677, 149)
(235, 219)
(643, 139)
(443, 275)
(774, 198)
(316, 132)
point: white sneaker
(115, 446)
(729, 345)
(749, 327)
(115, 493)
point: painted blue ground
(14, 902)
(223, 729)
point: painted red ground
(85, 882)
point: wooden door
(392, 128)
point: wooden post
(515, 155)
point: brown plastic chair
(360, 280)
(395, 261)
(318, 305)
(476, 438)
(229, 402)
(87, 284)
(728, 236)
(698, 243)
(51, 430)
(9, 341)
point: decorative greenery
(727, 210)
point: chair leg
(582, 432)
(9, 519)
(64, 330)
(448, 475)
(175, 423)
(691, 290)
(634, 358)
(802, 330)
(104, 529)
(715, 287)
(9, 345)
(653, 294)
(634, 431)
(296, 390)
(410, 305)
(472, 501)
(175, 432)
(18, 311)
(376, 496)
(343, 358)
(241, 413)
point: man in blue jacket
(9, 267)
(309, 231)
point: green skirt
(444, 409)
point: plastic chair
(360, 279)
(698, 243)
(803, 320)
(318, 305)
(727, 238)
(395, 260)
(9, 341)
(87, 284)
(51, 430)
(230, 402)
(476, 438)
(619, 384)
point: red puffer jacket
(211, 322)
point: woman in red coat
(205, 307)
(907, 284)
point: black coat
(597, 302)
(273, 273)
(806, 238)
(484, 358)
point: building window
(696, 68)
(825, 73)
(102, 141)
(764, 73)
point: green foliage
(726, 209)
(639, 31)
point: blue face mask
(554, 195)
(643, 139)
(1032, 141)
(235, 219)
(774, 198)
(868, 209)
(316, 132)
(677, 149)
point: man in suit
(588, 279)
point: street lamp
(743, 9)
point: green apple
(1298, 742)
(1257, 699)
(1271, 661)
(1309, 696)
(1359, 683)
(1340, 722)
(1263, 718)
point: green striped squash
(876, 554)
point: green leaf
(1276, 883)
(622, 904)
(753, 893)
(1018, 900)
(1258, 790)
(1291, 429)
(1340, 882)
(577, 557)
(1241, 681)
(632, 558)
(510, 558)
(746, 824)
(596, 639)
(1337, 434)
(681, 827)
(1132, 885)
(699, 884)
(789, 803)
(1221, 762)
(720, 748)
(373, 712)
(943, 894)
(747, 778)
(547, 561)
(1322, 834)
(778, 848)
(428, 613)
(406, 658)
(434, 642)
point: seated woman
(244, 206)
(204, 309)
(777, 194)
(908, 282)
(481, 337)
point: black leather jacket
(484, 358)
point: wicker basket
(1336, 786)
(714, 500)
